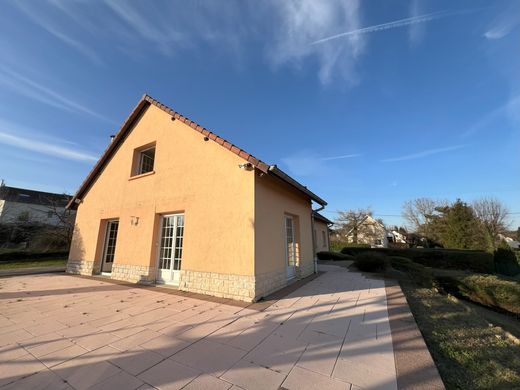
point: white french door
(110, 246)
(170, 252)
(290, 248)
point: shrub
(476, 261)
(488, 290)
(418, 273)
(370, 261)
(336, 245)
(506, 262)
(351, 245)
(21, 255)
(333, 256)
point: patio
(61, 332)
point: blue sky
(367, 103)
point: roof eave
(273, 169)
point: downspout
(314, 238)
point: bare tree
(493, 215)
(350, 221)
(418, 213)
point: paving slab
(331, 331)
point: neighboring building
(513, 244)
(321, 232)
(22, 205)
(171, 202)
(396, 238)
(369, 231)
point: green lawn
(32, 263)
(470, 352)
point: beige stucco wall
(273, 200)
(321, 230)
(199, 178)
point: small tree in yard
(493, 216)
(456, 226)
(418, 214)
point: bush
(370, 262)
(333, 256)
(506, 262)
(351, 245)
(21, 255)
(418, 273)
(476, 261)
(336, 245)
(488, 290)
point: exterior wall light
(246, 166)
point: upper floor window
(146, 160)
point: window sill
(142, 175)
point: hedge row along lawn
(32, 263)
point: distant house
(369, 231)
(321, 232)
(513, 244)
(23, 205)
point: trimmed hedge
(370, 262)
(506, 262)
(337, 256)
(488, 290)
(420, 274)
(476, 261)
(21, 255)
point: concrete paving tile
(19, 368)
(169, 375)
(365, 375)
(14, 337)
(175, 329)
(251, 376)
(43, 380)
(62, 355)
(134, 340)
(209, 357)
(11, 352)
(46, 344)
(277, 353)
(136, 360)
(207, 382)
(166, 346)
(321, 357)
(302, 379)
(122, 380)
(95, 340)
(86, 375)
(77, 331)
(252, 336)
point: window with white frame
(146, 160)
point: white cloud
(308, 163)
(504, 23)
(510, 110)
(25, 86)
(300, 22)
(24, 139)
(424, 153)
(50, 25)
(416, 31)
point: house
(369, 231)
(170, 202)
(513, 244)
(20, 205)
(321, 232)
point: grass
(32, 263)
(470, 353)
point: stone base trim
(240, 287)
(79, 267)
(270, 282)
(133, 273)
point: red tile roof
(139, 109)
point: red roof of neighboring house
(140, 108)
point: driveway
(63, 332)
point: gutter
(315, 257)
